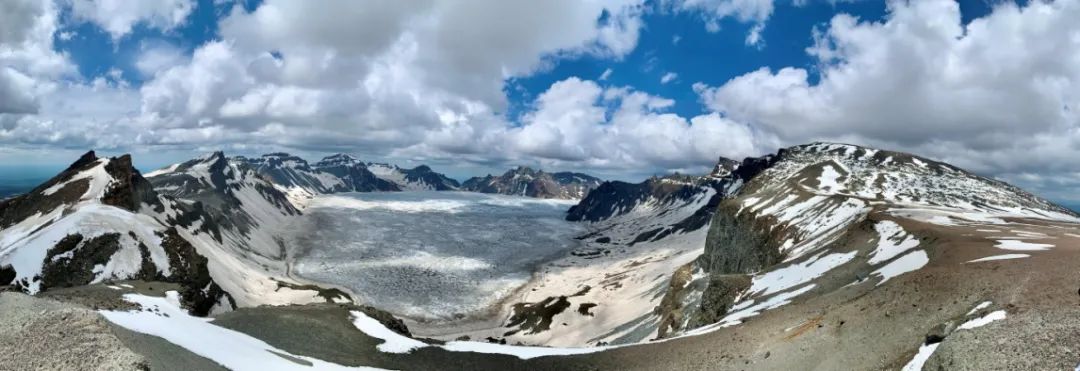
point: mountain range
(819, 256)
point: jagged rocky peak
(110, 181)
(128, 189)
(724, 166)
(209, 158)
(524, 170)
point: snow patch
(996, 315)
(392, 342)
(166, 170)
(910, 262)
(1017, 245)
(797, 274)
(397, 343)
(979, 307)
(827, 181)
(892, 241)
(1000, 257)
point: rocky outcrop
(524, 181)
(128, 189)
(189, 269)
(7, 275)
(738, 243)
(71, 262)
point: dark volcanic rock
(129, 190)
(188, 269)
(7, 275)
(71, 261)
(534, 318)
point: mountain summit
(524, 181)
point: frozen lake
(430, 255)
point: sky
(622, 89)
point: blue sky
(562, 85)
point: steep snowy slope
(241, 217)
(354, 174)
(524, 181)
(420, 178)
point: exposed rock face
(524, 181)
(129, 190)
(658, 226)
(71, 262)
(724, 167)
(354, 174)
(189, 269)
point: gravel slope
(43, 334)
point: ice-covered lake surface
(430, 255)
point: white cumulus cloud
(118, 17)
